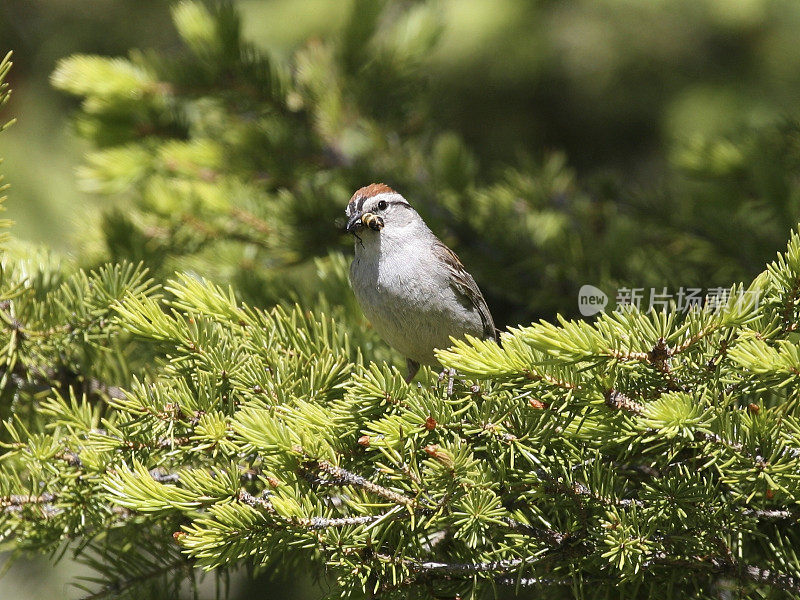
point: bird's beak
(354, 223)
(357, 221)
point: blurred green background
(618, 85)
(626, 89)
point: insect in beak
(372, 221)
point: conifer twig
(736, 570)
(786, 313)
(314, 523)
(548, 535)
(116, 587)
(44, 378)
(500, 566)
(246, 497)
(345, 477)
(756, 574)
(15, 502)
(532, 581)
(619, 401)
(548, 379)
(770, 514)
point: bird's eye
(382, 205)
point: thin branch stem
(347, 478)
(114, 589)
(548, 535)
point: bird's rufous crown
(373, 189)
(365, 193)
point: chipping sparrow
(412, 288)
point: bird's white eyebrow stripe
(358, 204)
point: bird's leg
(413, 367)
(451, 375)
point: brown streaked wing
(465, 285)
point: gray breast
(407, 297)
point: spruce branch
(528, 582)
(619, 401)
(734, 569)
(117, 587)
(323, 523)
(789, 301)
(343, 477)
(771, 514)
(41, 379)
(496, 568)
(549, 380)
(554, 538)
(16, 502)
(246, 497)
(776, 579)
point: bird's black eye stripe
(382, 205)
